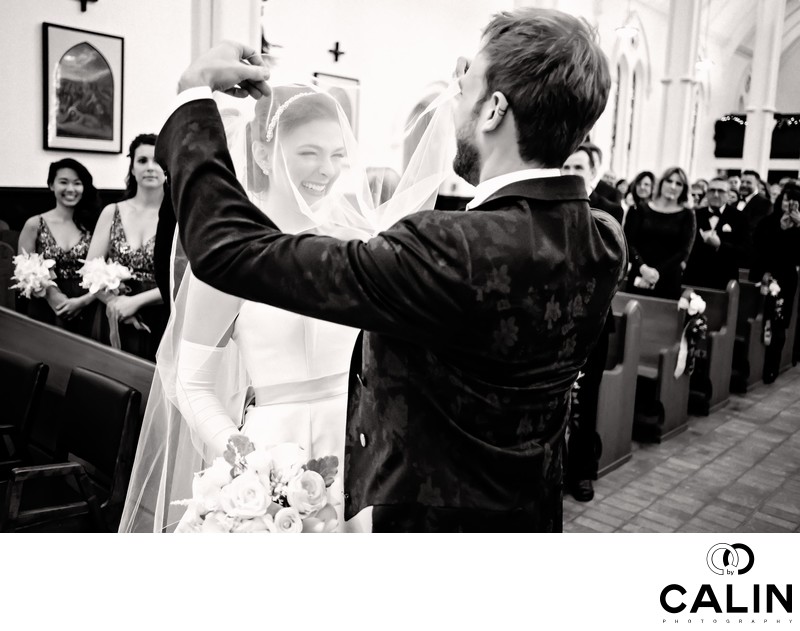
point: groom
(475, 323)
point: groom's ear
(261, 156)
(496, 113)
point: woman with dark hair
(777, 252)
(660, 235)
(63, 235)
(126, 234)
(641, 189)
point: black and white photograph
(498, 297)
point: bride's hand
(229, 67)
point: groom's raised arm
(399, 282)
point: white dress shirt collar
(489, 187)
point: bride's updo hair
(288, 108)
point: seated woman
(660, 236)
(125, 233)
(63, 234)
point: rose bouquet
(33, 273)
(262, 490)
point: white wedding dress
(298, 368)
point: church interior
(709, 86)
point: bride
(228, 366)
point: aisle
(737, 470)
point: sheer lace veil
(276, 146)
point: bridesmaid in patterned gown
(126, 234)
(63, 234)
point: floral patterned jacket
(476, 324)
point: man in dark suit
(475, 323)
(721, 241)
(753, 206)
(602, 188)
(585, 447)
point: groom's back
(471, 418)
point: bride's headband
(273, 123)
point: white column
(217, 20)
(679, 76)
(763, 85)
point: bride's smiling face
(314, 152)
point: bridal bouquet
(262, 490)
(101, 275)
(33, 274)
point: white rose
(325, 520)
(683, 303)
(216, 522)
(307, 493)
(207, 485)
(190, 522)
(696, 305)
(245, 496)
(256, 524)
(287, 458)
(288, 520)
(260, 462)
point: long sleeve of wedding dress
(198, 367)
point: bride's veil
(170, 450)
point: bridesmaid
(63, 234)
(125, 234)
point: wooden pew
(748, 351)
(62, 351)
(709, 387)
(661, 399)
(615, 405)
(791, 332)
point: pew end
(615, 405)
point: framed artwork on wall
(83, 90)
(345, 91)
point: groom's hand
(229, 67)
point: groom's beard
(467, 163)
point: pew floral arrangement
(773, 306)
(694, 340)
(262, 490)
(33, 273)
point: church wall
(157, 48)
(397, 50)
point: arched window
(615, 118)
(84, 94)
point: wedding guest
(777, 252)
(63, 234)
(642, 187)
(125, 234)
(721, 240)
(660, 235)
(475, 323)
(622, 187)
(753, 206)
(584, 446)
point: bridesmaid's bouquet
(262, 490)
(33, 273)
(101, 275)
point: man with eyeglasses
(721, 241)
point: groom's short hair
(550, 68)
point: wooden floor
(737, 470)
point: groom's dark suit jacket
(476, 324)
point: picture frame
(345, 91)
(83, 86)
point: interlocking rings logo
(729, 557)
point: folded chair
(22, 382)
(85, 490)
